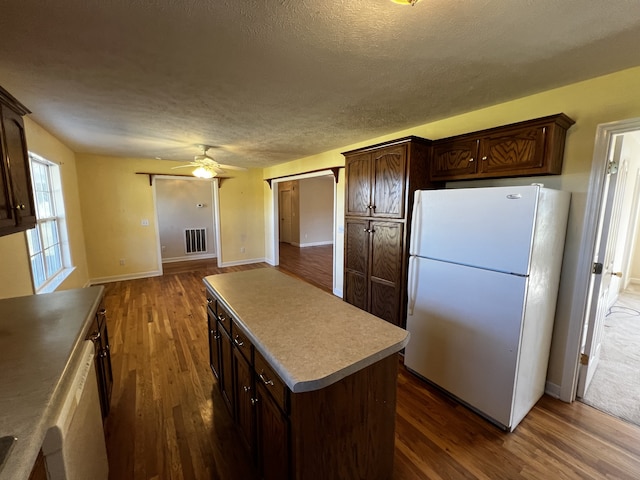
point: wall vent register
(195, 240)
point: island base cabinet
(347, 429)
(272, 437)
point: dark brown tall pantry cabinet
(380, 182)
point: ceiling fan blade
(183, 166)
(230, 167)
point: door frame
(275, 250)
(215, 210)
(603, 144)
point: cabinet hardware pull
(94, 337)
(222, 318)
(264, 379)
(254, 401)
(102, 312)
(238, 342)
(246, 389)
(471, 159)
(484, 158)
(209, 301)
(103, 353)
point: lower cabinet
(245, 398)
(39, 470)
(225, 380)
(344, 430)
(254, 395)
(374, 272)
(214, 342)
(272, 437)
(99, 335)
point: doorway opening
(186, 215)
(304, 235)
(609, 359)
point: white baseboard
(312, 244)
(242, 262)
(552, 389)
(119, 278)
(186, 258)
(635, 281)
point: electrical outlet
(122, 261)
(144, 222)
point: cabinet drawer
(224, 318)
(241, 342)
(271, 381)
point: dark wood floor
(169, 422)
(313, 264)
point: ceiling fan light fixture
(203, 172)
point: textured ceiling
(267, 81)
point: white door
(606, 236)
(465, 327)
(285, 216)
(484, 227)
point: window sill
(53, 284)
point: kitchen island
(309, 379)
(40, 344)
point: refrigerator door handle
(412, 285)
(416, 223)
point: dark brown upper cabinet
(533, 147)
(17, 207)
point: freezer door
(484, 227)
(465, 331)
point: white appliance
(74, 447)
(484, 270)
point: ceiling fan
(206, 166)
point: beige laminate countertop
(310, 337)
(40, 336)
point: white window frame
(57, 271)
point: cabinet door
(356, 261)
(358, 191)
(105, 360)
(226, 363)
(244, 391)
(518, 152)
(19, 168)
(386, 270)
(214, 343)
(454, 159)
(272, 437)
(388, 192)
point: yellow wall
(115, 200)
(590, 103)
(242, 218)
(15, 274)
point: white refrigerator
(484, 271)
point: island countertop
(310, 337)
(40, 336)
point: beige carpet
(615, 388)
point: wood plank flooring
(169, 422)
(312, 264)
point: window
(47, 248)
